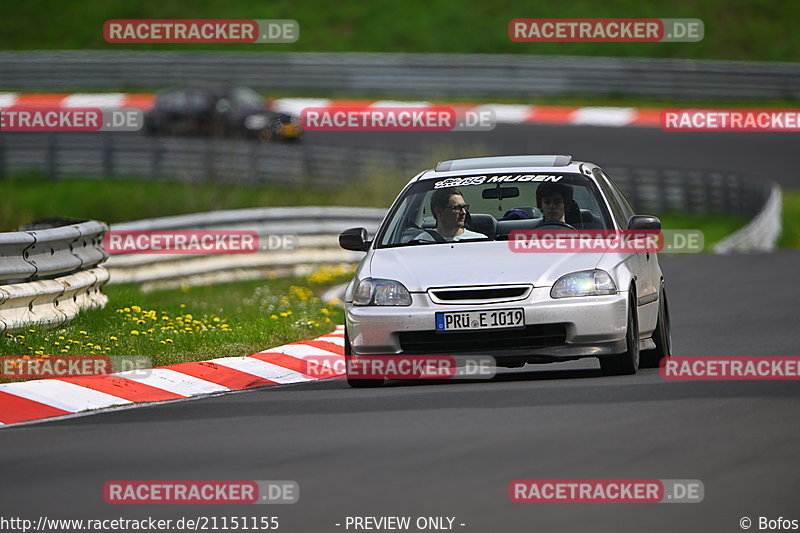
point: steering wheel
(556, 223)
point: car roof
(534, 163)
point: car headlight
(586, 283)
(381, 292)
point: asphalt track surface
(451, 449)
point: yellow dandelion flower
(274, 317)
(183, 306)
(112, 337)
(134, 332)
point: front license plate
(494, 319)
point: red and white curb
(504, 113)
(47, 398)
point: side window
(623, 201)
(613, 201)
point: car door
(648, 273)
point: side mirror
(644, 222)
(354, 239)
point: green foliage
(734, 29)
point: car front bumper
(556, 329)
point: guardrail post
(633, 191)
(108, 156)
(710, 183)
(3, 172)
(155, 159)
(209, 175)
(308, 166)
(50, 159)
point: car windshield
(183, 100)
(474, 208)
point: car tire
(356, 383)
(662, 336)
(628, 362)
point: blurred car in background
(234, 112)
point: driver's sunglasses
(457, 207)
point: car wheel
(628, 362)
(662, 336)
(356, 383)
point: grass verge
(27, 198)
(714, 227)
(192, 324)
(734, 29)
(790, 236)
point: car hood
(475, 263)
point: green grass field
(734, 29)
(192, 324)
(790, 237)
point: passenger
(450, 212)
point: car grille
(534, 336)
(498, 293)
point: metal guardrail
(761, 234)
(196, 159)
(664, 190)
(48, 275)
(315, 231)
(48, 253)
(51, 302)
(299, 165)
(428, 75)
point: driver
(553, 199)
(450, 212)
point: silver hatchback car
(441, 275)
